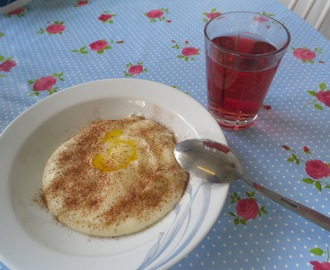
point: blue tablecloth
(47, 46)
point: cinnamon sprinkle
(102, 203)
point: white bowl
(29, 236)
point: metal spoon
(215, 162)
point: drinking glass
(243, 51)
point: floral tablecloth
(47, 46)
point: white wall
(313, 15)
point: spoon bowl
(208, 160)
(217, 163)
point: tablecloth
(47, 46)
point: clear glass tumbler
(243, 51)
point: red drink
(238, 77)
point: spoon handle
(303, 211)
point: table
(47, 46)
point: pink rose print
(137, 69)
(246, 209)
(157, 15)
(266, 107)
(210, 15)
(134, 69)
(306, 150)
(322, 95)
(19, 12)
(317, 170)
(45, 84)
(320, 265)
(98, 46)
(285, 147)
(6, 64)
(53, 28)
(306, 55)
(81, 3)
(56, 28)
(187, 53)
(262, 19)
(106, 17)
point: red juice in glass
(238, 86)
(243, 51)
